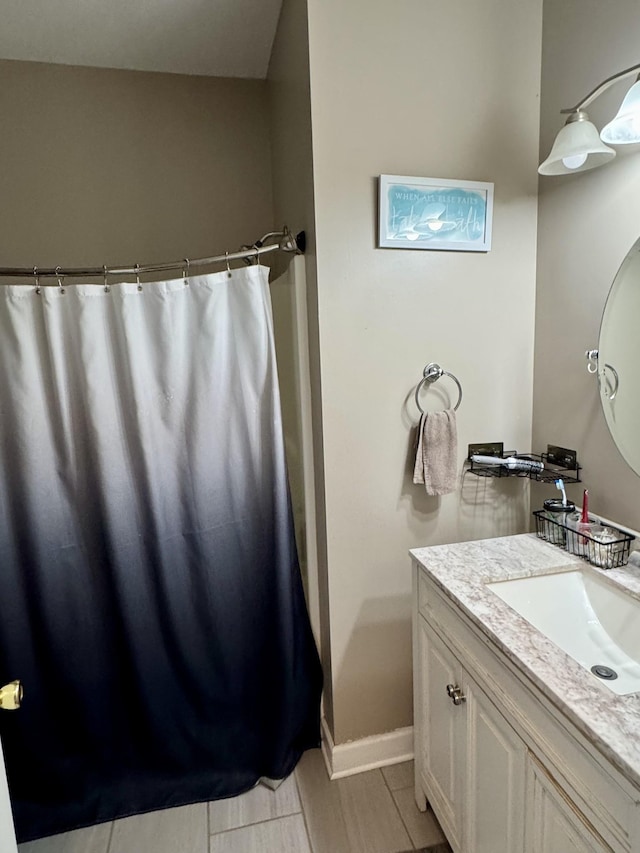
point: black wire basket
(600, 545)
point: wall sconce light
(579, 147)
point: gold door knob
(11, 696)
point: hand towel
(437, 452)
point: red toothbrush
(584, 518)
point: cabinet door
(441, 747)
(495, 778)
(554, 823)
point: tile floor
(372, 812)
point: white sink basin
(593, 621)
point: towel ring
(432, 373)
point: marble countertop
(462, 570)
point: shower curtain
(150, 598)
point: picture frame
(435, 213)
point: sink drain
(604, 672)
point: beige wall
(118, 167)
(587, 223)
(437, 90)
(293, 202)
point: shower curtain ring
(106, 285)
(37, 278)
(59, 277)
(226, 254)
(257, 256)
(185, 272)
(138, 277)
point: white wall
(587, 223)
(435, 90)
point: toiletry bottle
(601, 546)
(576, 544)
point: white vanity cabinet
(439, 732)
(503, 772)
(471, 762)
(494, 789)
(554, 825)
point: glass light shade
(625, 127)
(577, 148)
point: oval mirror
(619, 359)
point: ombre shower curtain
(150, 598)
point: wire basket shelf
(607, 549)
(558, 463)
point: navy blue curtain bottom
(150, 596)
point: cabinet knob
(11, 696)
(455, 694)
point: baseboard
(356, 756)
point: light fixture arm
(579, 146)
(635, 69)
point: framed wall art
(435, 213)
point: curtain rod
(286, 243)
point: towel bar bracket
(609, 388)
(432, 373)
